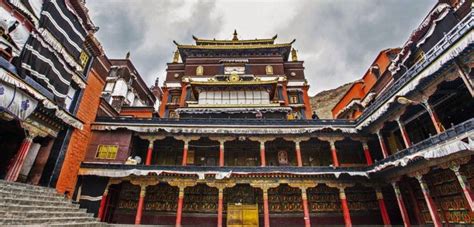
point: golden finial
(294, 56)
(176, 56)
(235, 38)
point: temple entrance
(243, 205)
(11, 136)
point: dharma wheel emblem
(234, 78)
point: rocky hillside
(324, 101)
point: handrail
(455, 131)
(437, 50)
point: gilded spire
(294, 56)
(176, 56)
(235, 38)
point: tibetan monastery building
(234, 141)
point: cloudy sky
(338, 40)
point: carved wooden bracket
(261, 139)
(151, 138)
(186, 139)
(222, 139)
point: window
(175, 99)
(106, 151)
(71, 94)
(199, 71)
(293, 99)
(269, 70)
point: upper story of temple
(237, 79)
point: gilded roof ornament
(235, 38)
(294, 55)
(176, 57)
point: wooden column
(185, 153)
(297, 141)
(262, 154)
(406, 138)
(303, 186)
(307, 103)
(179, 210)
(103, 203)
(298, 153)
(19, 159)
(383, 147)
(335, 160)
(368, 158)
(186, 139)
(429, 201)
(182, 99)
(345, 207)
(285, 94)
(307, 218)
(466, 188)
(434, 117)
(383, 208)
(149, 152)
(181, 184)
(221, 140)
(266, 210)
(141, 201)
(164, 101)
(221, 153)
(401, 204)
(220, 207)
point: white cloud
(338, 40)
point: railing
(452, 36)
(234, 169)
(229, 121)
(455, 131)
(449, 134)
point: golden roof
(234, 43)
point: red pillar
(406, 138)
(262, 153)
(307, 103)
(266, 210)
(19, 159)
(180, 207)
(149, 153)
(298, 153)
(335, 160)
(221, 153)
(285, 94)
(466, 188)
(164, 101)
(367, 153)
(401, 204)
(383, 208)
(185, 153)
(429, 202)
(182, 100)
(220, 207)
(383, 147)
(434, 117)
(345, 207)
(141, 200)
(307, 220)
(103, 202)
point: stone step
(83, 224)
(47, 221)
(10, 188)
(37, 196)
(23, 201)
(26, 186)
(44, 214)
(30, 208)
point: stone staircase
(23, 204)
